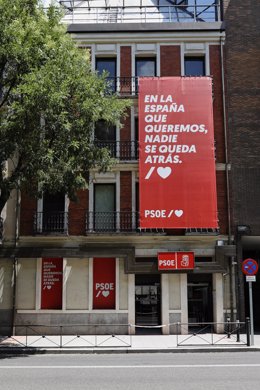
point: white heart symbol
(48, 287)
(178, 213)
(105, 293)
(164, 172)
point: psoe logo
(104, 289)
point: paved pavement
(127, 343)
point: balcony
(122, 150)
(50, 223)
(126, 11)
(115, 222)
(57, 223)
(123, 86)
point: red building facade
(109, 265)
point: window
(107, 65)
(105, 137)
(53, 213)
(194, 66)
(105, 132)
(104, 207)
(145, 67)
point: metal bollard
(238, 331)
(228, 328)
(61, 332)
(248, 331)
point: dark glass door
(53, 215)
(105, 137)
(199, 303)
(147, 300)
(108, 65)
(104, 207)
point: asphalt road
(186, 371)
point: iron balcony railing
(122, 150)
(115, 222)
(51, 222)
(184, 12)
(123, 86)
(97, 222)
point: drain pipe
(227, 165)
(226, 140)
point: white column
(165, 302)
(131, 301)
(90, 283)
(117, 284)
(38, 284)
(64, 285)
(218, 298)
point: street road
(186, 371)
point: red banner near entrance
(175, 261)
(52, 275)
(177, 162)
(104, 283)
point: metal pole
(238, 330)
(248, 331)
(251, 312)
(228, 328)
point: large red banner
(52, 275)
(104, 283)
(177, 161)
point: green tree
(49, 101)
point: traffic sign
(250, 267)
(250, 278)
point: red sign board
(104, 283)
(52, 276)
(250, 267)
(175, 261)
(177, 161)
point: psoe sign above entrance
(172, 261)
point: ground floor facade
(100, 288)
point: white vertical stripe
(38, 283)
(117, 284)
(207, 60)
(182, 59)
(64, 285)
(90, 283)
(158, 60)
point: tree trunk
(4, 196)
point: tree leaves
(49, 102)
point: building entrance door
(200, 307)
(147, 300)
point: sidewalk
(125, 344)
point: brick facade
(170, 57)
(28, 210)
(125, 61)
(125, 131)
(215, 70)
(242, 64)
(77, 214)
(125, 191)
(222, 201)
